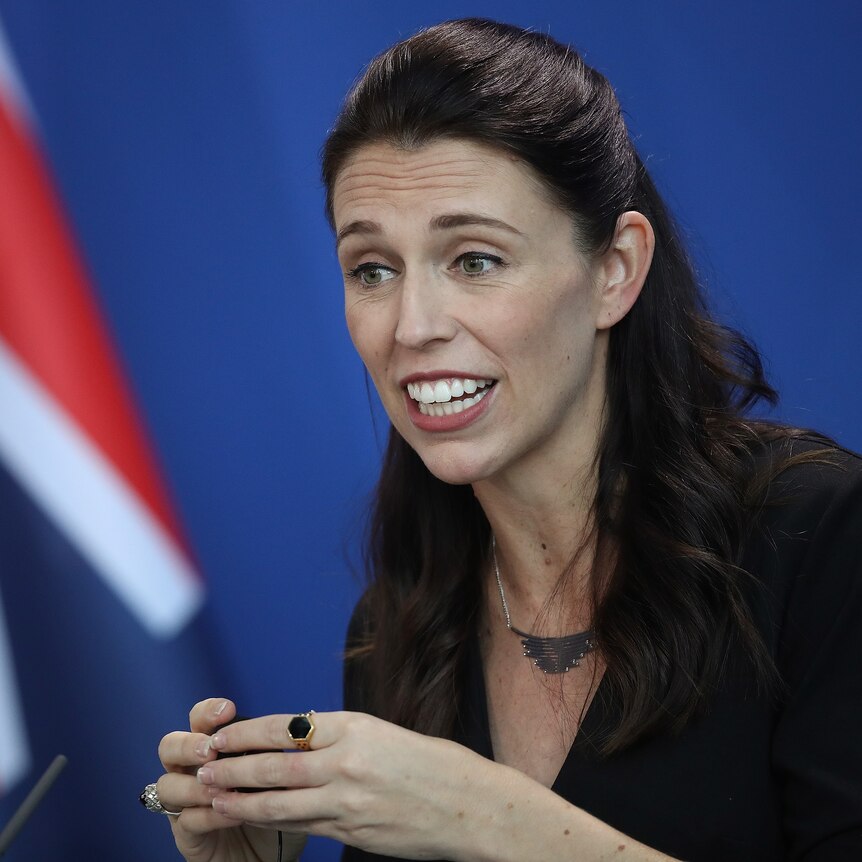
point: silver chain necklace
(550, 655)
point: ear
(622, 269)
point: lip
(455, 422)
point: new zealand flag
(101, 641)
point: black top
(755, 778)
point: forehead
(380, 176)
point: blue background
(184, 138)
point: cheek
(562, 322)
(555, 344)
(361, 329)
(573, 313)
(369, 334)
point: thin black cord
(280, 844)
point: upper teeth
(441, 391)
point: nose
(423, 314)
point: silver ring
(150, 800)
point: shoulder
(807, 499)
(809, 556)
(805, 542)
(802, 479)
(808, 453)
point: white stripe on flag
(11, 88)
(92, 504)
(14, 751)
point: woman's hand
(379, 787)
(364, 782)
(202, 834)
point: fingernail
(213, 790)
(219, 805)
(217, 742)
(220, 708)
(202, 749)
(205, 775)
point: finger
(295, 809)
(273, 769)
(202, 819)
(273, 731)
(208, 715)
(177, 791)
(182, 751)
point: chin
(454, 470)
(455, 462)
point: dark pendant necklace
(550, 655)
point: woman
(609, 615)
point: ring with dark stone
(301, 729)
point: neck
(540, 510)
(541, 525)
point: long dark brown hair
(676, 455)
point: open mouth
(448, 396)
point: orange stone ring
(301, 729)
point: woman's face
(471, 307)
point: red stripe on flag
(49, 317)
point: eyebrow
(441, 222)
